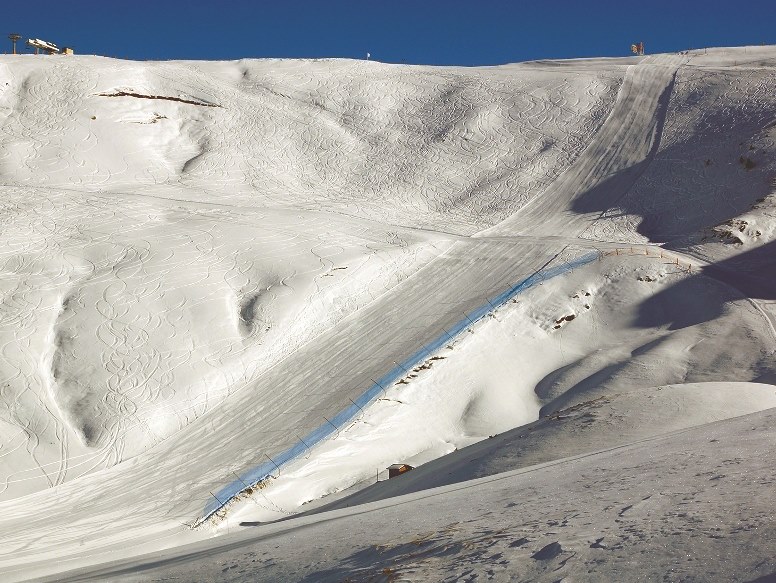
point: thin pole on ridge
(382, 389)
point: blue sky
(452, 32)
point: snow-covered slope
(608, 421)
(691, 505)
(204, 264)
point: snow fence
(254, 477)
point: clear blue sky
(413, 31)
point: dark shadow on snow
(692, 301)
(608, 193)
(698, 168)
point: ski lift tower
(14, 37)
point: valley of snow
(231, 292)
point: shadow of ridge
(596, 379)
(608, 193)
(387, 562)
(753, 272)
(665, 214)
(702, 298)
(375, 563)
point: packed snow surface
(204, 264)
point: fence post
(359, 407)
(400, 366)
(375, 382)
(304, 442)
(327, 421)
(240, 479)
(273, 463)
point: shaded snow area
(690, 505)
(233, 293)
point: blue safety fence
(265, 470)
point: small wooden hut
(398, 469)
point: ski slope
(206, 263)
(685, 505)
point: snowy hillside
(234, 291)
